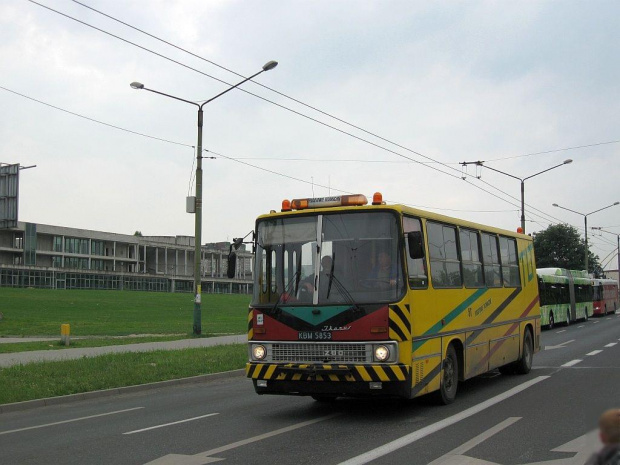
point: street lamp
(565, 162)
(585, 222)
(618, 239)
(198, 206)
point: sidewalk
(22, 358)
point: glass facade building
(55, 257)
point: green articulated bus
(565, 296)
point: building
(56, 257)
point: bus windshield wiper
(331, 275)
(342, 290)
(287, 289)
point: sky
(370, 96)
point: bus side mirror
(232, 264)
(416, 247)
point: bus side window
(510, 263)
(490, 259)
(470, 255)
(418, 278)
(444, 256)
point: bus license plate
(314, 335)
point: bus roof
(400, 209)
(562, 275)
(562, 272)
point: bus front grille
(322, 352)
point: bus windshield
(330, 259)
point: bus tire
(551, 322)
(524, 365)
(449, 377)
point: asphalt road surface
(546, 417)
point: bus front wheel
(449, 377)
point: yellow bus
(351, 299)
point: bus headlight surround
(259, 352)
(382, 353)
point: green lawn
(40, 312)
(8, 348)
(50, 379)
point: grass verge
(9, 348)
(40, 312)
(50, 379)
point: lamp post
(197, 328)
(522, 180)
(565, 162)
(618, 239)
(585, 223)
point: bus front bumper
(392, 380)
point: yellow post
(65, 331)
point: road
(547, 417)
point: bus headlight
(258, 352)
(382, 353)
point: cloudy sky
(386, 96)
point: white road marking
(559, 346)
(561, 331)
(580, 326)
(170, 424)
(594, 352)
(433, 428)
(595, 322)
(571, 363)
(456, 455)
(70, 421)
(611, 344)
(203, 457)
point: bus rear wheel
(449, 377)
(524, 365)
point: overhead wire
(282, 94)
(238, 160)
(262, 85)
(254, 95)
(94, 120)
(555, 150)
(323, 112)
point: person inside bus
(384, 274)
(306, 286)
(609, 433)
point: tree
(138, 233)
(561, 246)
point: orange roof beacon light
(286, 205)
(334, 201)
(520, 230)
(377, 199)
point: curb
(30, 404)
